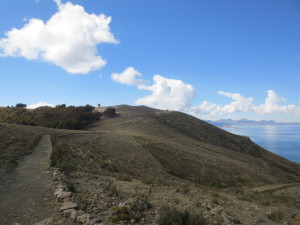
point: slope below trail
(25, 195)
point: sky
(211, 59)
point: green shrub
(266, 202)
(172, 216)
(132, 212)
(126, 214)
(67, 167)
(63, 117)
(110, 112)
(55, 158)
(70, 185)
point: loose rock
(76, 214)
(68, 205)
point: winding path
(25, 195)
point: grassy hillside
(17, 141)
(167, 167)
(192, 149)
(181, 165)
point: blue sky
(212, 59)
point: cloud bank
(177, 95)
(273, 105)
(68, 39)
(40, 104)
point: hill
(195, 150)
(149, 166)
(174, 159)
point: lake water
(283, 140)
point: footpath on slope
(274, 187)
(26, 197)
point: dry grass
(17, 141)
(171, 157)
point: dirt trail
(25, 195)
(274, 187)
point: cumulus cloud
(273, 104)
(239, 103)
(68, 39)
(177, 95)
(206, 109)
(167, 94)
(40, 104)
(129, 76)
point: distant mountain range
(230, 122)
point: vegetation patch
(67, 167)
(111, 189)
(130, 212)
(172, 216)
(61, 116)
(16, 142)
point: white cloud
(239, 103)
(68, 39)
(206, 109)
(176, 95)
(273, 105)
(40, 104)
(167, 94)
(129, 76)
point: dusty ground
(26, 195)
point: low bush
(126, 214)
(172, 216)
(111, 189)
(110, 112)
(70, 185)
(131, 212)
(67, 167)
